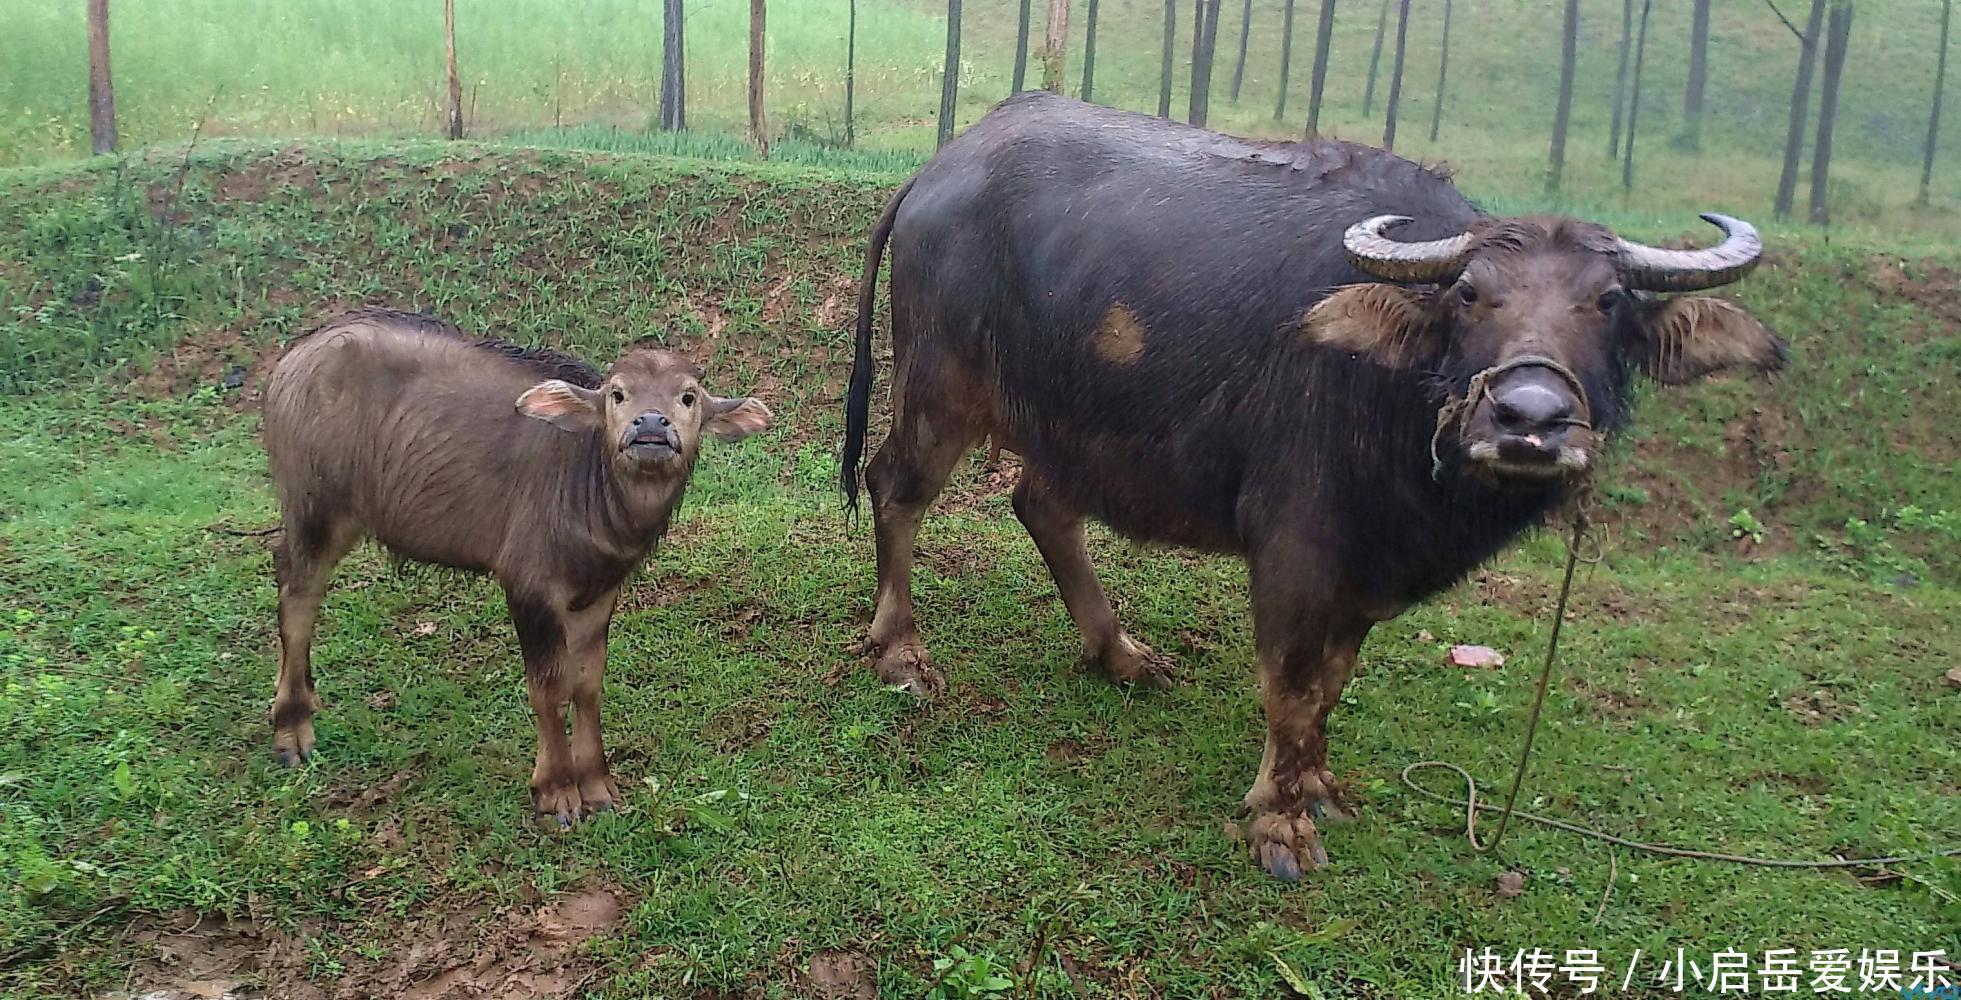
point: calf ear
(1688, 337)
(561, 404)
(735, 419)
(1387, 324)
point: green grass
(1783, 697)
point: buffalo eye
(687, 399)
(1467, 293)
(1610, 299)
(619, 395)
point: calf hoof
(910, 668)
(1131, 662)
(1285, 845)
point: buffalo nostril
(1531, 408)
(664, 422)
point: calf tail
(858, 395)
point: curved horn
(1656, 270)
(1427, 261)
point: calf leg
(586, 641)
(1058, 532)
(549, 676)
(909, 471)
(308, 550)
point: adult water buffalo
(1211, 342)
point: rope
(1452, 413)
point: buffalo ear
(735, 419)
(1387, 324)
(563, 405)
(1690, 336)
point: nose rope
(1456, 408)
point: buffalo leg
(549, 676)
(1058, 533)
(586, 642)
(304, 559)
(909, 471)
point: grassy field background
(359, 67)
(1757, 666)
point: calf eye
(1467, 292)
(619, 395)
(687, 399)
(1610, 300)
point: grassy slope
(1777, 703)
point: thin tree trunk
(1787, 182)
(1205, 37)
(102, 87)
(1934, 118)
(1375, 58)
(1563, 115)
(1698, 76)
(1245, 34)
(455, 81)
(850, 75)
(1323, 35)
(1443, 75)
(1021, 48)
(950, 79)
(1837, 37)
(673, 71)
(1089, 50)
(1634, 97)
(1286, 58)
(1620, 80)
(1170, 49)
(1055, 46)
(758, 130)
(1396, 77)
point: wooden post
(1322, 36)
(1286, 57)
(1634, 97)
(1375, 58)
(758, 133)
(1055, 46)
(1837, 38)
(1089, 51)
(950, 78)
(673, 70)
(1396, 76)
(1563, 115)
(455, 82)
(1443, 76)
(1245, 35)
(850, 73)
(1787, 181)
(1620, 81)
(1021, 50)
(1934, 117)
(102, 88)
(1164, 67)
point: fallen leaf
(423, 628)
(1511, 884)
(1954, 677)
(1425, 636)
(1476, 656)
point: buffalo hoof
(908, 667)
(294, 746)
(557, 804)
(289, 757)
(1131, 662)
(1285, 845)
(598, 794)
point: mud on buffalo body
(523, 463)
(1213, 342)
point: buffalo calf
(525, 464)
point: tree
(1055, 46)
(1170, 47)
(850, 74)
(1089, 50)
(455, 81)
(1443, 74)
(1286, 58)
(1563, 115)
(1934, 118)
(1245, 33)
(758, 133)
(1634, 97)
(1205, 37)
(1787, 182)
(102, 88)
(1375, 57)
(950, 79)
(1322, 37)
(1698, 76)
(673, 71)
(1836, 39)
(1396, 77)
(1620, 80)
(1021, 48)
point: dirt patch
(843, 975)
(1936, 290)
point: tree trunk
(1375, 58)
(758, 129)
(1563, 114)
(1934, 118)
(673, 72)
(1698, 76)
(950, 79)
(455, 81)
(1021, 48)
(1205, 37)
(1787, 182)
(1170, 48)
(1089, 50)
(1620, 80)
(1443, 75)
(1245, 34)
(102, 88)
(1322, 37)
(1634, 97)
(850, 75)
(1055, 46)
(1286, 58)
(1836, 39)
(1396, 76)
